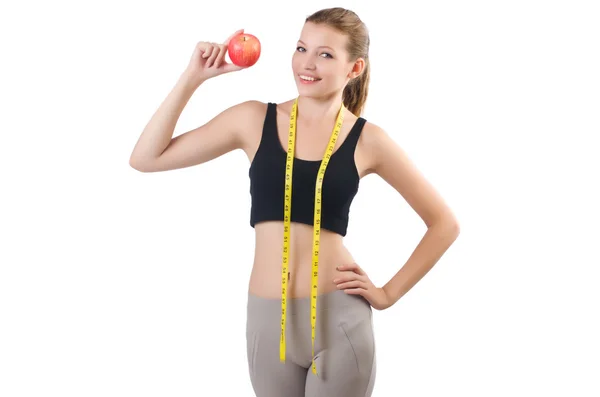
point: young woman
(309, 329)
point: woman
(309, 329)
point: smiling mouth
(308, 78)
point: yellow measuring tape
(316, 228)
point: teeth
(308, 78)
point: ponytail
(356, 92)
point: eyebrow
(323, 46)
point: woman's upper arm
(224, 133)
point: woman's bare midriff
(265, 278)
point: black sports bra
(267, 180)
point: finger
(353, 284)
(207, 52)
(230, 67)
(355, 291)
(352, 267)
(222, 52)
(233, 35)
(213, 56)
(350, 276)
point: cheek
(334, 76)
(332, 72)
(295, 62)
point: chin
(313, 94)
(312, 88)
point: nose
(309, 66)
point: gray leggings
(344, 347)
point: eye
(323, 53)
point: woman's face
(321, 53)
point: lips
(308, 77)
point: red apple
(244, 49)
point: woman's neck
(315, 111)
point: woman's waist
(269, 243)
(300, 256)
(303, 266)
(266, 276)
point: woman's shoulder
(252, 107)
(286, 106)
(259, 108)
(372, 136)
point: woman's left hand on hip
(355, 281)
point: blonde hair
(347, 22)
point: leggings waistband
(330, 300)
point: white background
(119, 283)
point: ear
(357, 68)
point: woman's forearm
(158, 133)
(436, 241)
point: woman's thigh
(347, 367)
(269, 376)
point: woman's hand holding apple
(208, 60)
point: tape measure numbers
(289, 167)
